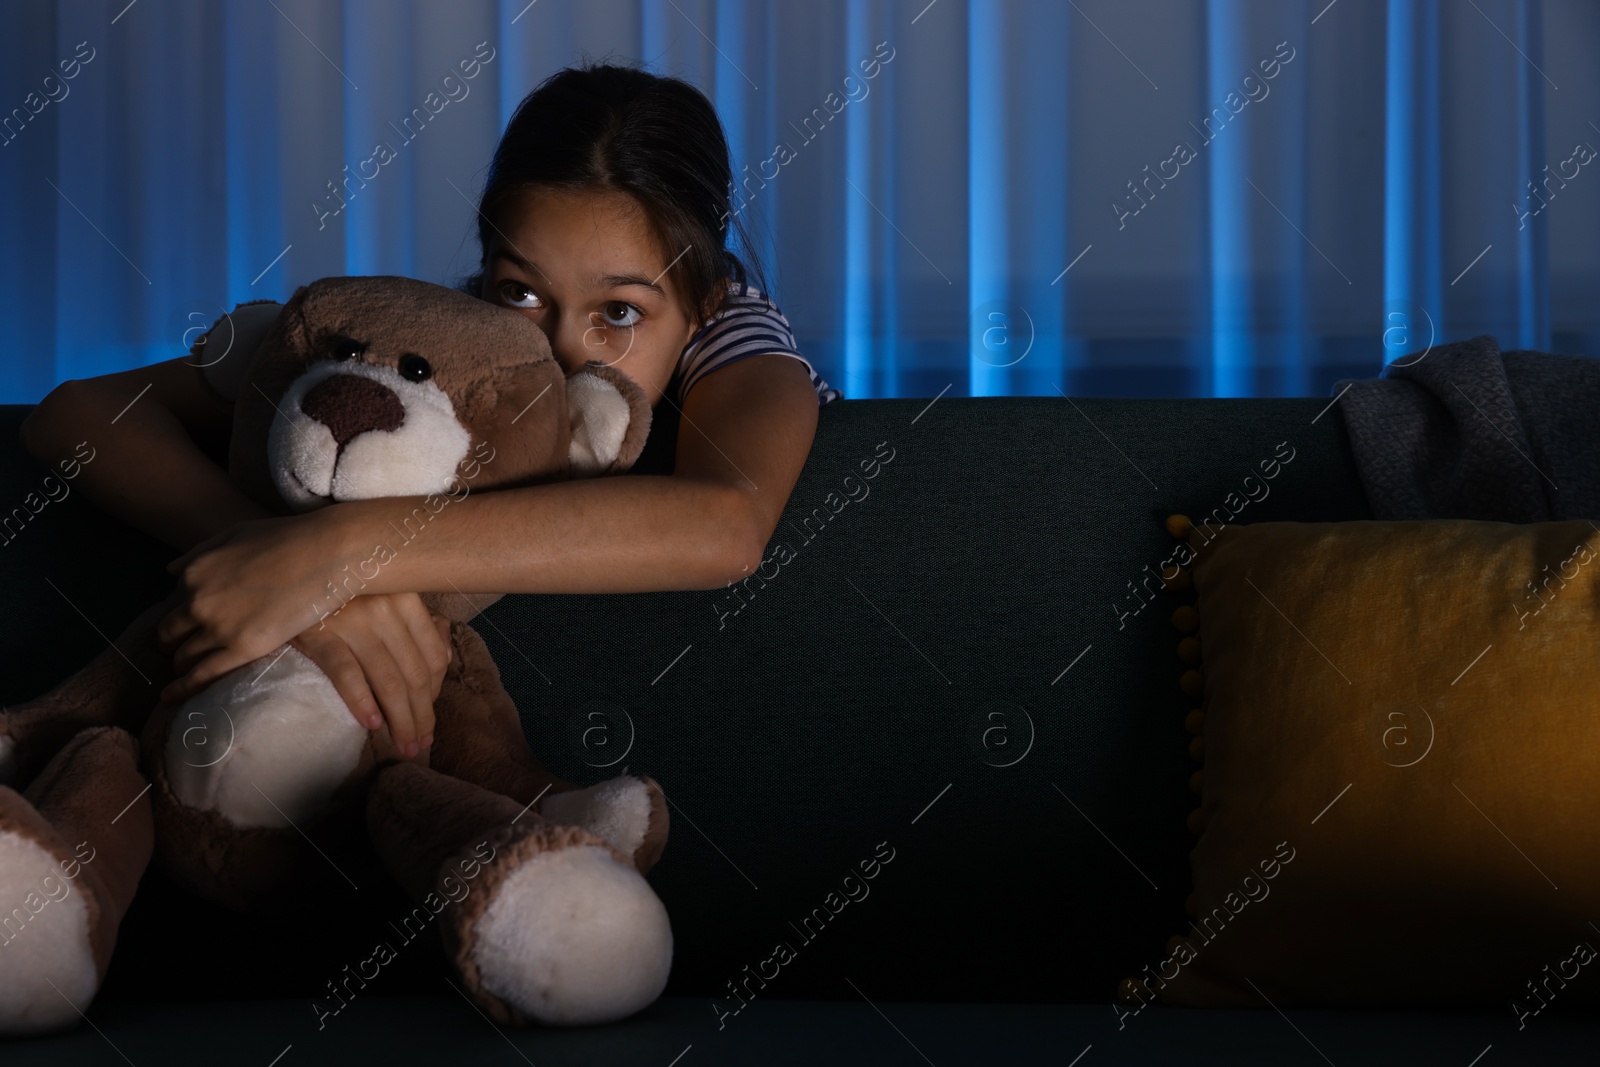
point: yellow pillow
(1400, 801)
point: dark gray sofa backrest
(886, 697)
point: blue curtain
(1104, 197)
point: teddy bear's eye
(414, 368)
(345, 348)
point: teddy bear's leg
(266, 744)
(251, 776)
(544, 923)
(479, 739)
(119, 687)
(72, 850)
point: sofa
(934, 747)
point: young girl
(605, 219)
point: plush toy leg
(72, 851)
(629, 812)
(119, 687)
(480, 740)
(251, 776)
(545, 923)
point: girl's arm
(744, 434)
(151, 429)
(745, 431)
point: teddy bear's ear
(610, 416)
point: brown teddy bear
(362, 387)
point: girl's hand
(237, 600)
(388, 646)
(248, 590)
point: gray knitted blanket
(1470, 432)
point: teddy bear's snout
(354, 430)
(349, 404)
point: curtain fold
(989, 197)
(1411, 206)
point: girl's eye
(618, 309)
(517, 295)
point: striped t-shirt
(748, 324)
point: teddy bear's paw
(573, 935)
(47, 964)
(265, 745)
(629, 812)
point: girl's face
(585, 266)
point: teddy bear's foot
(629, 812)
(570, 933)
(72, 850)
(119, 687)
(547, 923)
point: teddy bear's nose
(350, 404)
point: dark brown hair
(655, 138)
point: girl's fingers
(182, 561)
(435, 649)
(174, 626)
(388, 682)
(333, 656)
(193, 680)
(441, 624)
(412, 663)
(388, 661)
(194, 648)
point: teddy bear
(364, 387)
